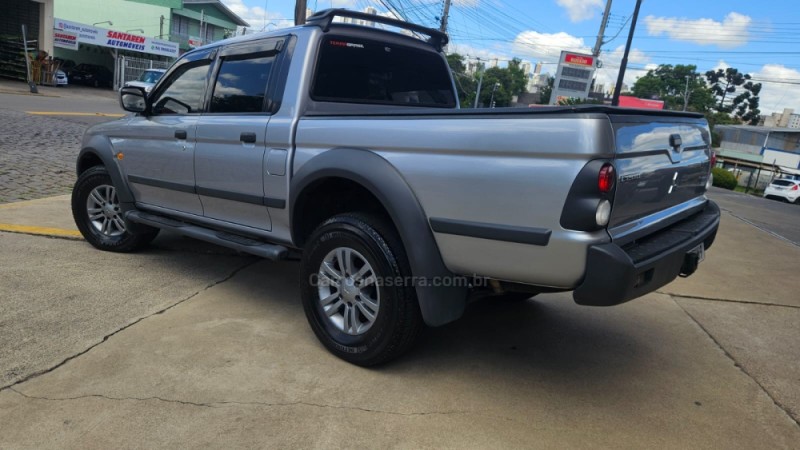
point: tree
(511, 80)
(724, 84)
(669, 83)
(546, 91)
(465, 84)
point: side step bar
(234, 241)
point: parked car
(346, 144)
(147, 79)
(61, 78)
(65, 64)
(91, 75)
(784, 189)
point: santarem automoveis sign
(88, 34)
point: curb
(3, 91)
(41, 231)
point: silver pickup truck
(346, 145)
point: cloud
(547, 46)
(484, 54)
(776, 94)
(257, 17)
(580, 10)
(730, 33)
(607, 75)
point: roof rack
(323, 19)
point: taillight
(713, 160)
(794, 188)
(605, 179)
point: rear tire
(355, 290)
(96, 211)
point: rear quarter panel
(502, 170)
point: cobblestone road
(37, 155)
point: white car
(61, 78)
(783, 189)
(147, 79)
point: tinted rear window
(783, 183)
(359, 71)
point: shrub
(723, 178)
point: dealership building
(125, 36)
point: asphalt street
(779, 218)
(189, 345)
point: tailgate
(662, 167)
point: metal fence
(128, 68)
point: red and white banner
(65, 39)
(88, 34)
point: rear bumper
(617, 274)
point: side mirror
(133, 99)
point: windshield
(782, 183)
(150, 76)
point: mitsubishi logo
(674, 183)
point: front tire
(356, 290)
(97, 213)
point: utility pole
(686, 94)
(624, 65)
(300, 12)
(445, 14)
(480, 83)
(601, 34)
(202, 34)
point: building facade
(763, 152)
(37, 16)
(200, 22)
(785, 119)
(188, 23)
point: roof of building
(225, 10)
(744, 156)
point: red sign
(579, 60)
(125, 37)
(634, 102)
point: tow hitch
(692, 259)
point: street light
(491, 102)
(135, 29)
(105, 21)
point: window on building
(180, 25)
(242, 84)
(209, 33)
(184, 91)
(359, 71)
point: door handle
(248, 138)
(180, 134)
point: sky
(761, 38)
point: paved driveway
(185, 345)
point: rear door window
(242, 84)
(361, 71)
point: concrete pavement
(187, 345)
